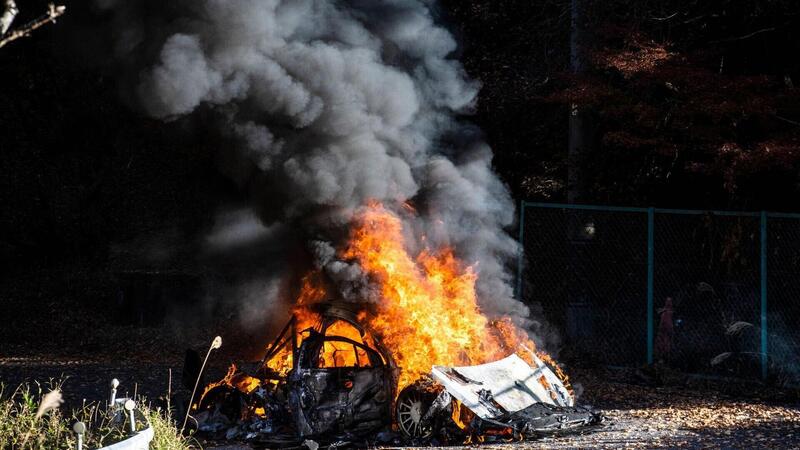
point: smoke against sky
(331, 104)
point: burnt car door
(339, 385)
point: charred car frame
(334, 381)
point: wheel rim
(410, 409)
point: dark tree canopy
(694, 103)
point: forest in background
(688, 104)
(692, 104)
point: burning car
(328, 377)
(412, 358)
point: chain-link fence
(702, 291)
(783, 290)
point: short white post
(114, 385)
(130, 405)
(79, 428)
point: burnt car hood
(505, 386)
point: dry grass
(30, 418)
(166, 434)
(20, 428)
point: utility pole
(580, 307)
(579, 136)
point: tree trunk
(580, 306)
(579, 133)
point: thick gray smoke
(332, 104)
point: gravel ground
(671, 417)
(680, 415)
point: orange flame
(234, 379)
(311, 292)
(429, 313)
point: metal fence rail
(685, 288)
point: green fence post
(650, 250)
(521, 253)
(764, 335)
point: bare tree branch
(8, 16)
(53, 12)
(661, 19)
(746, 36)
(784, 119)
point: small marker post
(79, 428)
(130, 405)
(114, 386)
